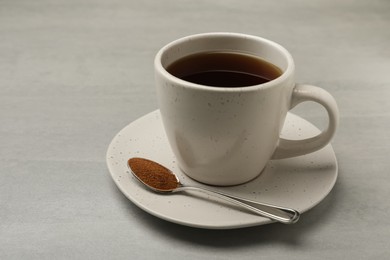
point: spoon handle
(277, 213)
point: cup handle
(301, 93)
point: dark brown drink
(224, 69)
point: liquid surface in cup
(224, 69)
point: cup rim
(285, 75)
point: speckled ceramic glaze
(299, 182)
(225, 136)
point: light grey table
(73, 73)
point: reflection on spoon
(160, 179)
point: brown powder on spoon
(153, 174)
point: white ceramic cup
(226, 136)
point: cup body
(223, 136)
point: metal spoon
(160, 179)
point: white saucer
(300, 182)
